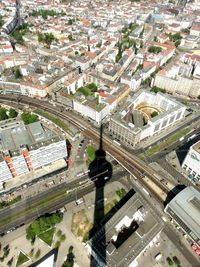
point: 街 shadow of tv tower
(100, 172)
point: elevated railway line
(145, 174)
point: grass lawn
(121, 193)
(47, 236)
(90, 152)
(22, 258)
(166, 143)
(109, 206)
(55, 120)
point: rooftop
(14, 134)
(135, 217)
(186, 205)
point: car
(198, 252)
(194, 247)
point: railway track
(145, 174)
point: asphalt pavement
(179, 245)
(23, 212)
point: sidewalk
(79, 250)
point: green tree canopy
(3, 114)
(1, 21)
(175, 38)
(156, 89)
(46, 38)
(154, 114)
(28, 117)
(17, 74)
(154, 49)
(42, 224)
(12, 113)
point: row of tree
(44, 13)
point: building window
(184, 166)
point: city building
(181, 77)
(191, 163)
(26, 148)
(127, 234)
(184, 209)
(158, 111)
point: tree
(1, 21)
(3, 114)
(156, 89)
(17, 74)
(9, 263)
(176, 261)
(169, 261)
(155, 39)
(98, 45)
(28, 117)
(175, 38)
(12, 113)
(46, 38)
(154, 49)
(37, 254)
(70, 258)
(70, 37)
(70, 21)
(20, 32)
(154, 114)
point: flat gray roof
(186, 205)
(14, 134)
(136, 242)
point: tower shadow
(100, 172)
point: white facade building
(95, 112)
(27, 148)
(191, 163)
(126, 131)
(44, 153)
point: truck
(158, 256)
